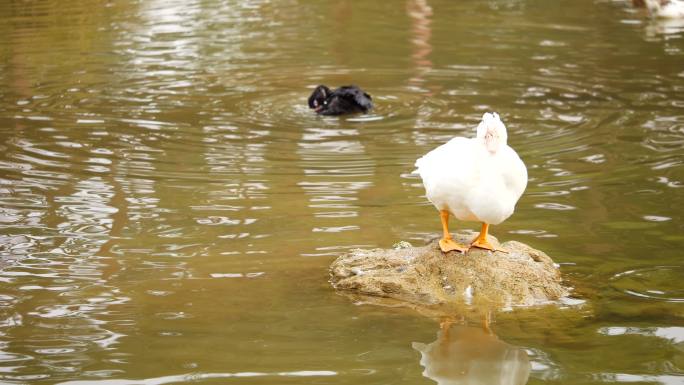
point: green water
(169, 205)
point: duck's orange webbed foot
(482, 242)
(485, 244)
(448, 244)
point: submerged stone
(425, 276)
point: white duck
(477, 179)
(666, 9)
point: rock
(426, 276)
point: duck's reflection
(658, 27)
(470, 355)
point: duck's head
(492, 131)
(318, 97)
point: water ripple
(650, 283)
(161, 173)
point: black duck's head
(318, 97)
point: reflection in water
(163, 184)
(657, 27)
(420, 12)
(675, 334)
(470, 355)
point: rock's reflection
(470, 355)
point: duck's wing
(514, 172)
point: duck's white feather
(464, 177)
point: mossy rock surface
(523, 276)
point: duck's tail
(417, 165)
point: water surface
(169, 205)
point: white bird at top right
(666, 9)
